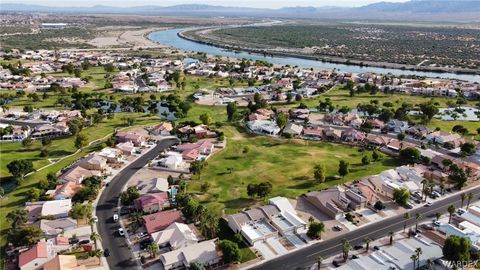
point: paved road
(120, 255)
(304, 258)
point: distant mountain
(425, 10)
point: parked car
(436, 223)
(376, 248)
(336, 264)
(409, 206)
(84, 242)
(106, 252)
(428, 204)
(95, 219)
(72, 241)
(354, 256)
(121, 232)
(357, 247)
(461, 211)
(144, 243)
(115, 217)
(337, 228)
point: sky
(238, 3)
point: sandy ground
(129, 38)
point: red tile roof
(161, 220)
(38, 251)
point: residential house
(93, 162)
(331, 202)
(77, 174)
(163, 129)
(376, 124)
(55, 227)
(263, 127)
(172, 161)
(353, 135)
(152, 202)
(313, 133)
(175, 236)
(64, 262)
(65, 191)
(135, 138)
(161, 220)
(332, 134)
(418, 131)
(57, 208)
(441, 137)
(126, 148)
(112, 155)
(396, 126)
(203, 252)
(36, 257)
(293, 129)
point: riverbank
(187, 35)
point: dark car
(84, 242)
(357, 247)
(336, 264)
(376, 248)
(144, 243)
(125, 211)
(354, 257)
(106, 252)
(72, 241)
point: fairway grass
(286, 164)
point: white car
(115, 217)
(428, 204)
(121, 232)
(437, 223)
(95, 219)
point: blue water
(170, 38)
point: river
(171, 38)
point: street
(306, 257)
(120, 255)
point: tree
(20, 167)
(418, 253)
(438, 216)
(366, 160)
(46, 141)
(127, 197)
(463, 197)
(367, 243)
(456, 249)
(451, 210)
(414, 258)
(282, 120)
(252, 190)
(401, 136)
(315, 230)
(469, 198)
(410, 154)
(468, 149)
(197, 266)
(343, 168)
(263, 189)
(429, 110)
(206, 119)
(231, 110)
(375, 155)
(33, 194)
(109, 67)
(319, 173)
(401, 196)
(80, 211)
(418, 216)
(406, 217)
(319, 262)
(379, 205)
(153, 249)
(458, 176)
(81, 141)
(391, 234)
(24, 236)
(197, 166)
(346, 247)
(27, 142)
(17, 217)
(230, 250)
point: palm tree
(438, 215)
(469, 199)
(391, 234)
(429, 263)
(137, 220)
(451, 211)
(367, 243)
(406, 216)
(463, 197)
(153, 249)
(414, 259)
(94, 237)
(418, 252)
(319, 262)
(442, 186)
(346, 247)
(424, 191)
(417, 217)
